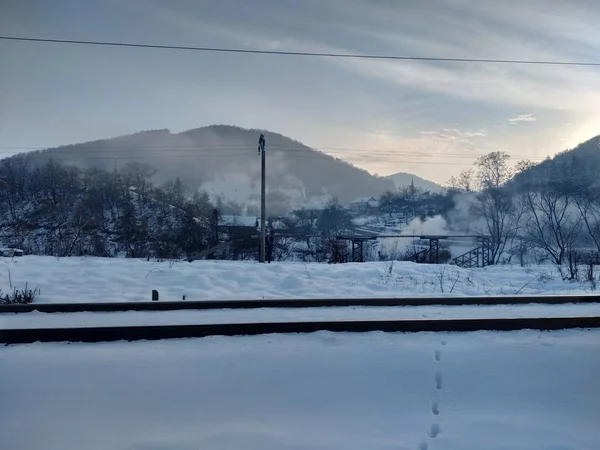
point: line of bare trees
(547, 212)
(61, 210)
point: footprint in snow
(438, 380)
(435, 430)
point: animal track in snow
(438, 380)
(435, 430)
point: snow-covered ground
(438, 391)
(119, 279)
(185, 317)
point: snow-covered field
(116, 279)
(487, 390)
(426, 391)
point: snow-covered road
(376, 391)
(45, 320)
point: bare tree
(334, 219)
(588, 204)
(493, 170)
(554, 223)
(495, 201)
(464, 182)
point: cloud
(440, 31)
(454, 134)
(523, 118)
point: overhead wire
(369, 152)
(236, 149)
(300, 53)
(252, 155)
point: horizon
(442, 183)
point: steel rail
(134, 333)
(296, 303)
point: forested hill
(579, 166)
(223, 160)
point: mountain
(578, 166)
(402, 179)
(223, 161)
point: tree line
(545, 212)
(61, 210)
(531, 213)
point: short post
(154, 295)
(434, 251)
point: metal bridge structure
(351, 247)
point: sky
(429, 118)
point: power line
(298, 53)
(252, 155)
(230, 150)
(134, 157)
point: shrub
(19, 296)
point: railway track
(296, 303)
(134, 333)
(172, 331)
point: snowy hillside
(222, 160)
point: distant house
(9, 252)
(365, 205)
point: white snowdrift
(116, 279)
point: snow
(185, 317)
(365, 220)
(91, 279)
(487, 390)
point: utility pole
(263, 213)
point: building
(365, 205)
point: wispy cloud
(454, 134)
(523, 118)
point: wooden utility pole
(263, 212)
